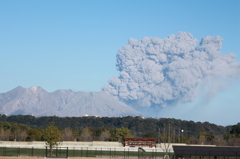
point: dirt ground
(4, 157)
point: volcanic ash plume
(158, 72)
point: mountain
(38, 102)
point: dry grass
(4, 157)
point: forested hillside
(137, 125)
(30, 128)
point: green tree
(209, 137)
(52, 136)
(236, 130)
(121, 133)
(100, 130)
(149, 135)
(35, 134)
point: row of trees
(13, 131)
(21, 132)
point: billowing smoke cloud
(158, 72)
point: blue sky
(61, 44)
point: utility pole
(179, 135)
(158, 134)
(182, 135)
(174, 135)
(169, 133)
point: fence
(84, 152)
(207, 152)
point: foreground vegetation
(30, 128)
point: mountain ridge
(63, 102)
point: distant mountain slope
(36, 101)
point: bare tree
(219, 141)
(5, 134)
(234, 141)
(105, 135)
(68, 135)
(165, 139)
(5, 131)
(202, 136)
(21, 135)
(86, 134)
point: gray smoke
(159, 72)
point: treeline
(21, 132)
(138, 126)
(105, 129)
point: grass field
(75, 153)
